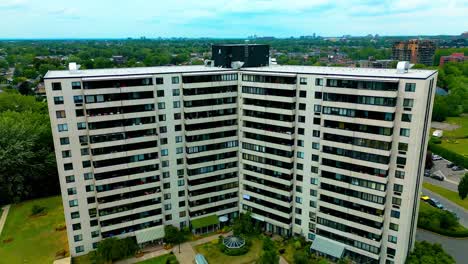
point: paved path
(144, 257)
(283, 261)
(460, 211)
(456, 247)
(6, 209)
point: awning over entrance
(205, 221)
(328, 247)
(223, 219)
(149, 234)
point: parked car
(435, 203)
(450, 165)
(427, 173)
(436, 157)
(438, 176)
(425, 198)
(457, 168)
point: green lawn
(161, 260)
(450, 195)
(457, 140)
(84, 259)
(34, 239)
(214, 255)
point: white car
(436, 157)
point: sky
(229, 18)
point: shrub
(36, 209)
(297, 244)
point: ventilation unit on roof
(237, 64)
(402, 67)
(73, 67)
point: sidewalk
(6, 209)
(187, 255)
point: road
(460, 211)
(452, 177)
(456, 247)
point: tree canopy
(427, 253)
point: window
(404, 132)
(392, 239)
(162, 118)
(164, 152)
(163, 141)
(408, 102)
(180, 182)
(316, 133)
(78, 99)
(314, 169)
(176, 104)
(394, 226)
(93, 222)
(316, 121)
(161, 105)
(165, 163)
(396, 201)
(303, 94)
(315, 145)
(64, 141)
(395, 214)
(71, 191)
(303, 80)
(178, 139)
(402, 146)
(62, 127)
(76, 85)
(177, 116)
(301, 119)
(318, 95)
(78, 238)
(73, 203)
(163, 129)
(159, 80)
(95, 233)
(166, 174)
(79, 249)
(86, 164)
(84, 151)
(319, 82)
(406, 117)
(299, 166)
(180, 173)
(168, 217)
(313, 193)
(167, 196)
(56, 86)
(315, 157)
(399, 174)
(175, 80)
(89, 188)
(314, 181)
(302, 106)
(313, 204)
(75, 215)
(300, 154)
(398, 188)
(81, 125)
(58, 100)
(167, 207)
(76, 227)
(410, 87)
(70, 179)
(68, 166)
(317, 108)
(91, 199)
(179, 150)
(160, 93)
(175, 92)
(79, 112)
(180, 161)
(83, 140)
(401, 161)
(297, 221)
(300, 143)
(88, 176)
(300, 131)
(182, 214)
(60, 114)
(66, 154)
(298, 200)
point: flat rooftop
(285, 69)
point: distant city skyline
(229, 18)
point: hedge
(454, 157)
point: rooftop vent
(402, 67)
(73, 67)
(237, 64)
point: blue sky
(229, 18)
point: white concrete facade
(311, 151)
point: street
(461, 212)
(451, 177)
(456, 247)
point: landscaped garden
(213, 254)
(440, 221)
(34, 237)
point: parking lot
(453, 177)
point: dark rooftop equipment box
(253, 55)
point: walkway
(456, 247)
(6, 209)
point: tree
(425, 252)
(173, 235)
(463, 187)
(243, 225)
(112, 249)
(270, 254)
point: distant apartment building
(332, 154)
(454, 57)
(414, 51)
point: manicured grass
(84, 259)
(34, 239)
(161, 260)
(457, 140)
(214, 255)
(450, 195)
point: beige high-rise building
(332, 154)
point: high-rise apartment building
(414, 51)
(332, 154)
